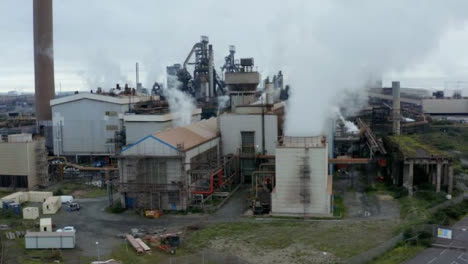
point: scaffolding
(41, 163)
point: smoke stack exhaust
(43, 58)
(396, 107)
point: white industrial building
(303, 185)
(86, 123)
(138, 126)
(445, 106)
(154, 171)
(23, 162)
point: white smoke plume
(180, 104)
(329, 47)
(102, 71)
(223, 102)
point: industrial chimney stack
(396, 107)
(43, 60)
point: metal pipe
(210, 70)
(396, 107)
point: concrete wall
(80, 127)
(14, 159)
(286, 198)
(445, 106)
(232, 125)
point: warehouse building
(23, 162)
(85, 124)
(445, 106)
(155, 172)
(303, 185)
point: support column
(450, 178)
(408, 176)
(410, 179)
(439, 175)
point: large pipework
(210, 70)
(396, 107)
(43, 58)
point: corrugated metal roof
(187, 137)
(50, 234)
(184, 138)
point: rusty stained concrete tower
(396, 108)
(43, 59)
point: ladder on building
(304, 174)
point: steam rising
(340, 45)
(180, 104)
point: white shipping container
(46, 240)
(30, 213)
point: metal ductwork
(43, 58)
(396, 107)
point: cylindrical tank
(43, 58)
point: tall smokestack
(396, 107)
(43, 58)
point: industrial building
(138, 126)
(445, 106)
(156, 171)
(303, 186)
(23, 162)
(87, 124)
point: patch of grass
(127, 255)
(4, 193)
(333, 237)
(411, 144)
(83, 190)
(398, 254)
(339, 209)
(116, 208)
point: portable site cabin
(46, 240)
(51, 205)
(30, 213)
(45, 225)
(39, 197)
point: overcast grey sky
(99, 41)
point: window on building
(248, 141)
(112, 127)
(173, 196)
(13, 181)
(111, 113)
(153, 171)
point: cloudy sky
(98, 42)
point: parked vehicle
(73, 207)
(99, 164)
(67, 229)
(66, 199)
(71, 169)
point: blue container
(15, 208)
(6, 204)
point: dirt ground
(359, 204)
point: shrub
(58, 192)
(116, 208)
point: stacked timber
(135, 245)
